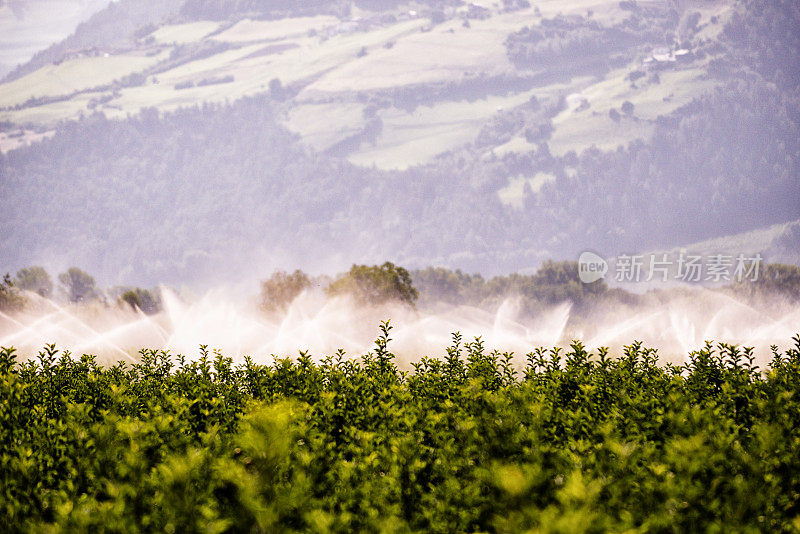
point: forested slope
(167, 196)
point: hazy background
(191, 142)
(28, 26)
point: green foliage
(10, 299)
(34, 279)
(561, 37)
(553, 283)
(78, 285)
(375, 284)
(627, 107)
(575, 442)
(773, 280)
(437, 284)
(282, 288)
(764, 37)
(141, 299)
(556, 281)
(276, 89)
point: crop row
(573, 442)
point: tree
(773, 279)
(614, 115)
(141, 299)
(376, 284)
(34, 279)
(78, 285)
(553, 283)
(10, 299)
(438, 284)
(276, 89)
(627, 107)
(282, 288)
(559, 280)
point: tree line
(553, 283)
(75, 286)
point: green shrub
(10, 298)
(375, 284)
(141, 299)
(282, 288)
(34, 279)
(571, 442)
(78, 285)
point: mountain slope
(111, 28)
(481, 139)
(401, 82)
(27, 27)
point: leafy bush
(437, 284)
(561, 37)
(763, 36)
(627, 107)
(78, 285)
(34, 279)
(553, 283)
(282, 288)
(572, 442)
(141, 299)
(773, 280)
(215, 80)
(10, 299)
(375, 284)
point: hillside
(431, 86)
(779, 243)
(482, 136)
(27, 27)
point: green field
(580, 129)
(323, 125)
(330, 64)
(444, 53)
(571, 442)
(184, 33)
(73, 75)
(415, 138)
(259, 30)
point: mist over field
(676, 324)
